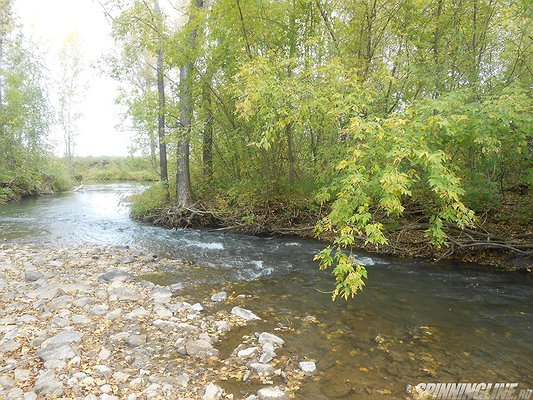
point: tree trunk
(207, 156)
(161, 104)
(183, 178)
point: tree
(71, 88)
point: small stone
(247, 353)
(53, 352)
(272, 393)
(136, 340)
(82, 302)
(200, 349)
(55, 364)
(162, 312)
(30, 396)
(100, 309)
(113, 315)
(121, 376)
(103, 370)
(268, 347)
(219, 297)
(10, 345)
(138, 312)
(47, 384)
(60, 303)
(245, 314)
(262, 369)
(106, 388)
(161, 295)
(15, 394)
(116, 275)
(22, 375)
(212, 392)
(104, 354)
(222, 326)
(80, 319)
(309, 367)
(267, 357)
(266, 337)
(197, 307)
(34, 276)
(6, 382)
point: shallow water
(415, 321)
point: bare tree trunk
(183, 178)
(207, 156)
(161, 104)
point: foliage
(151, 199)
(25, 165)
(364, 109)
(112, 169)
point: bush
(151, 199)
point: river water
(416, 321)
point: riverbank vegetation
(102, 169)
(26, 167)
(366, 118)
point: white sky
(47, 22)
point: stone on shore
(245, 314)
(309, 367)
(47, 384)
(274, 393)
(201, 349)
(266, 337)
(213, 392)
(219, 297)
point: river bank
(77, 322)
(501, 240)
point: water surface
(415, 321)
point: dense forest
(351, 113)
(364, 121)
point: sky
(47, 22)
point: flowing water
(415, 322)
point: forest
(404, 124)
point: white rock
(80, 319)
(103, 370)
(55, 364)
(247, 353)
(309, 367)
(267, 357)
(47, 384)
(212, 392)
(30, 396)
(15, 394)
(162, 312)
(262, 369)
(245, 314)
(161, 295)
(197, 307)
(22, 375)
(104, 354)
(106, 388)
(266, 337)
(100, 309)
(138, 312)
(272, 393)
(219, 297)
(223, 326)
(121, 376)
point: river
(416, 321)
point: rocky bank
(78, 323)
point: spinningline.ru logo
(470, 391)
